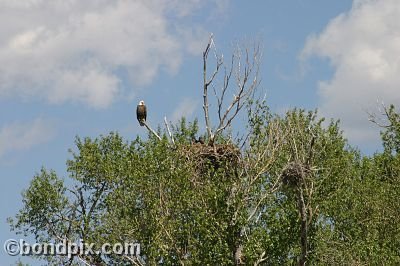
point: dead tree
(387, 117)
(233, 84)
(239, 76)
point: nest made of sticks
(204, 156)
(294, 173)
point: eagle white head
(141, 102)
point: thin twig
(380, 122)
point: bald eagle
(141, 113)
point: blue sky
(80, 67)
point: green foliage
(391, 135)
(44, 199)
(19, 263)
(364, 211)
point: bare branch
(84, 261)
(244, 88)
(246, 78)
(227, 78)
(135, 260)
(206, 83)
(169, 130)
(151, 130)
(98, 194)
(260, 259)
(257, 206)
(380, 122)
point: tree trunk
(304, 228)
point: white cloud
(70, 50)
(23, 136)
(363, 46)
(185, 109)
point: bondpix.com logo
(14, 247)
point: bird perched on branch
(141, 113)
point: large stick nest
(294, 173)
(205, 157)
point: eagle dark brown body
(141, 113)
